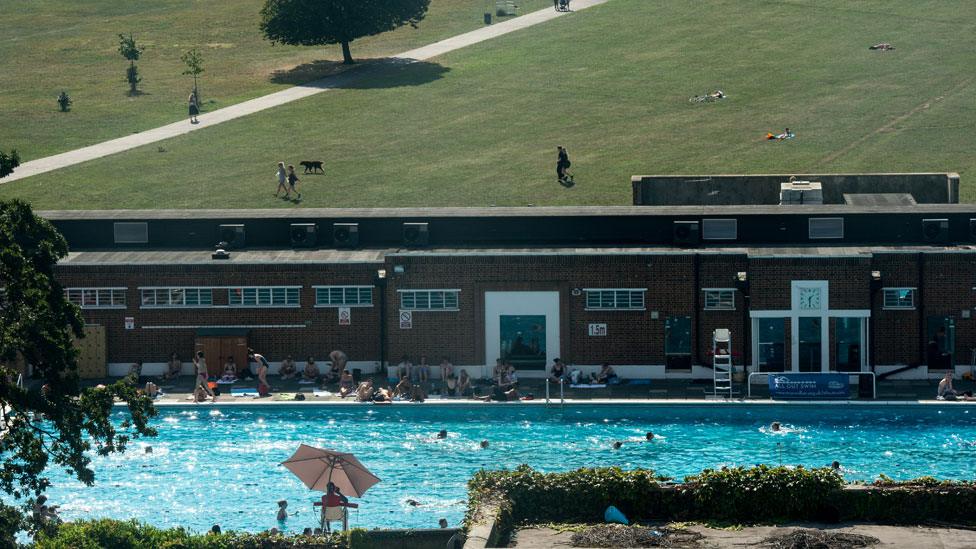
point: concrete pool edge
(243, 401)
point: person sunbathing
(230, 371)
(605, 376)
(346, 384)
(364, 393)
(288, 369)
(383, 395)
(152, 390)
(403, 389)
(311, 372)
(787, 134)
(175, 367)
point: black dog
(311, 165)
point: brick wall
(672, 280)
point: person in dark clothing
(563, 164)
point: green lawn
(479, 126)
(50, 45)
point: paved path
(907, 537)
(77, 156)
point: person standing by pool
(264, 389)
(202, 376)
(447, 369)
(463, 383)
(422, 370)
(339, 360)
(405, 367)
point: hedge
(98, 534)
(760, 494)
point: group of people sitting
(419, 374)
(948, 392)
(560, 373)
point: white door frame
(521, 303)
(824, 312)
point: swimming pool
(220, 465)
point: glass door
(677, 343)
(809, 344)
(848, 344)
(941, 342)
(771, 338)
(523, 341)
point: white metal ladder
(722, 362)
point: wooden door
(216, 349)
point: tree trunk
(346, 56)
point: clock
(810, 299)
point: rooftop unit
(793, 193)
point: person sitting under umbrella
(333, 498)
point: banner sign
(809, 386)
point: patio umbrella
(317, 467)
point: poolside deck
(674, 392)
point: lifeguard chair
(722, 363)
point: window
(825, 227)
(176, 297)
(264, 296)
(343, 296)
(899, 298)
(615, 299)
(96, 298)
(429, 300)
(720, 229)
(131, 233)
(719, 299)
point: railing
(561, 384)
(874, 379)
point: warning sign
(345, 316)
(130, 323)
(406, 320)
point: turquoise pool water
(220, 465)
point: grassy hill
(479, 126)
(51, 45)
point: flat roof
(378, 255)
(544, 211)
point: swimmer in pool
(649, 436)
(617, 444)
(442, 433)
(775, 426)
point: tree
(129, 50)
(57, 423)
(8, 162)
(194, 66)
(318, 22)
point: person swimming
(649, 436)
(617, 444)
(442, 433)
(775, 426)
(484, 443)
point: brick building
(878, 287)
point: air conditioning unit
(415, 234)
(935, 230)
(686, 232)
(303, 235)
(233, 235)
(345, 235)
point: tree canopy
(52, 420)
(319, 22)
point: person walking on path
(293, 181)
(563, 164)
(282, 180)
(194, 108)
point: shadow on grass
(389, 72)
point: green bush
(765, 493)
(758, 494)
(99, 534)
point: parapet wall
(725, 190)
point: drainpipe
(920, 294)
(696, 262)
(381, 285)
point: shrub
(98, 534)
(764, 492)
(8, 162)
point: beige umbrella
(317, 467)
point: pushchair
(562, 5)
